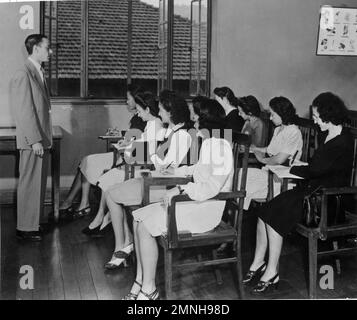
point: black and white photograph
(193, 151)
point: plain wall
(268, 48)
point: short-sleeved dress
(212, 174)
(330, 166)
(93, 166)
(288, 140)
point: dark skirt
(284, 211)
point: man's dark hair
(33, 40)
(331, 108)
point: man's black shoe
(28, 235)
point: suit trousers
(31, 189)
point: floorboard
(70, 266)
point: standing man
(30, 101)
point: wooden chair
(225, 232)
(324, 231)
(309, 133)
(352, 119)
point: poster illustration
(337, 31)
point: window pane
(181, 48)
(199, 48)
(65, 40)
(144, 59)
(107, 48)
(162, 45)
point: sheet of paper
(282, 172)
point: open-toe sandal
(152, 296)
(131, 295)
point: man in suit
(30, 100)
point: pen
(293, 159)
(169, 165)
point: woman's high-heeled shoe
(92, 232)
(251, 275)
(131, 295)
(264, 286)
(150, 296)
(81, 213)
(119, 257)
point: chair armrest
(149, 181)
(326, 192)
(339, 191)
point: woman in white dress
(174, 112)
(212, 174)
(93, 166)
(285, 143)
(148, 110)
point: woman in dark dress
(229, 102)
(330, 166)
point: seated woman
(249, 110)
(154, 132)
(330, 166)
(173, 111)
(285, 143)
(201, 215)
(195, 109)
(229, 102)
(92, 167)
(101, 162)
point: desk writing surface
(282, 172)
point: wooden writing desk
(109, 140)
(8, 146)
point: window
(184, 44)
(100, 46)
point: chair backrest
(309, 137)
(352, 119)
(354, 165)
(240, 142)
(268, 128)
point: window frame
(84, 91)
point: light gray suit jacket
(30, 101)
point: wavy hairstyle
(284, 108)
(176, 106)
(331, 108)
(212, 115)
(250, 105)
(225, 92)
(147, 100)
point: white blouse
(213, 173)
(288, 140)
(178, 148)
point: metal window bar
(130, 34)
(84, 50)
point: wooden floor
(69, 265)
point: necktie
(44, 79)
